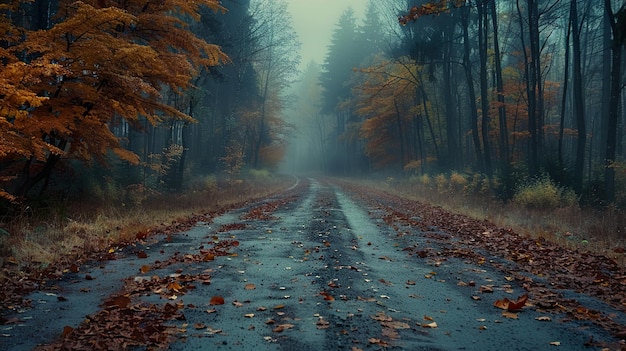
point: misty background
(498, 92)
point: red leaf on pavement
(216, 300)
(67, 330)
(511, 306)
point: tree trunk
(451, 115)
(467, 66)
(28, 181)
(579, 108)
(484, 89)
(617, 22)
(503, 139)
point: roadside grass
(62, 233)
(542, 211)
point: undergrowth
(40, 236)
(539, 208)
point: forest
(164, 96)
(509, 92)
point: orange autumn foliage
(63, 88)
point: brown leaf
(120, 301)
(67, 330)
(174, 286)
(511, 306)
(281, 327)
(381, 317)
(508, 314)
(250, 286)
(142, 254)
(216, 300)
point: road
(312, 269)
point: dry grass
(49, 236)
(601, 232)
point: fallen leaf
(377, 341)
(281, 327)
(511, 306)
(237, 304)
(142, 254)
(145, 268)
(430, 325)
(198, 326)
(67, 330)
(249, 315)
(250, 286)
(486, 289)
(175, 287)
(279, 306)
(216, 300)
(390, 333)
(543, 318)
(381, 317)
(555, 343)
(508, 314)
(322, 323)
(120, 301)
(395, 325)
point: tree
(617, 22)
(276, 64)
(578, 98)
(112, 61)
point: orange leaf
(67, 330)
(209, 257)
(74, 268)
(216, 300)
(517, 305)
(512, 306)
(145, 268)
(250, 286)
(174, 286)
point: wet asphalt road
(323, 272)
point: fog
(314, 22)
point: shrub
(458, 182)
(441, 182)
(477, 183)
(210, 183)
(259, 174)
(543, 193)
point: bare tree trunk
(484, 89)
(467, 66)
(617, 22)
(503, 139)
(579, 108)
